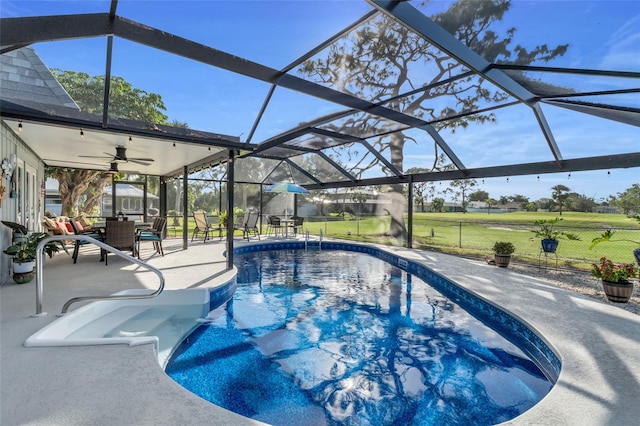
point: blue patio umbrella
(286, 187)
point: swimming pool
(341, 337)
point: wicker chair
(155, 235)
(78, 230)
(120, 235)
(274, 225)
(296, 223)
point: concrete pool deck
(598, 344)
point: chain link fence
(476, 238)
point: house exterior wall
(24, 202)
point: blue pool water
(337, 337)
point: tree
(437, 204)
(579, 203)
(559, 195)
(517, 198)
(80, 189)
(76, 183)
(460, 188)
(377, 62)
(420, 188)
(124, 100)
(629, 200)
(479, 195)
(490, 202)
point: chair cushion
(61, 226)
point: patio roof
(320, 125)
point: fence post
(460, 234)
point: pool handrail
(65, 308)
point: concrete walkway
(599, 346)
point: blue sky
(601, 35)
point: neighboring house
(24, 80)
(513, 206)
(606, 209)
(129, 200)
(52, 200)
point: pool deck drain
(599, 345)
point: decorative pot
(24, 267)
(549, 246)
(618, 292)
(502, 260)
(23, 278)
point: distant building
(52, 199)
(606, 209)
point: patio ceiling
(64, 147)
(295, 123)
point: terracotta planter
(502, 260)
(618, 292)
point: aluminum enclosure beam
(608, 162)
(409, 16)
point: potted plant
(608, 235)
(502, 251)
(23, 251)
(615, 278)
(550, 235)
(222, 219)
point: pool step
(169, 325)
(106, 323)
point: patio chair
(274, 225)
(120, 234)
(251, 226)
(296, 224)
(79, 230)
(204, 227)
(155, 235)
(241, 223)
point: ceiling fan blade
(73, 162)
(94, 156)
(150, 160)
(144, 163)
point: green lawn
(475, 233)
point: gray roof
(24, 77)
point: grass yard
(475, 233)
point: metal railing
(107, 247)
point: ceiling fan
(121, 157)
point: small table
(285, 223)
(138, 225)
